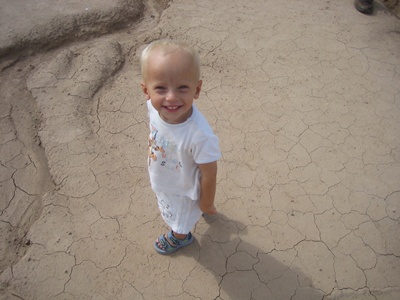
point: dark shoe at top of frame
(364, 6)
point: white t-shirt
(176, 150)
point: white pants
(179, 212)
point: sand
(305, 99)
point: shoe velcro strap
(175, 240)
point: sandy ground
(305, 97)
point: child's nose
(171, 96)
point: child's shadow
(238, 270)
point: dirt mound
(41, 24)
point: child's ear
(145, 90)
(198, 89)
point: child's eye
(160, 88)
(183, 88)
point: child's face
(171, 82)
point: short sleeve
(206, 149)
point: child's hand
(209, 210)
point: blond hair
(166, 46)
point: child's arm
(208, 185)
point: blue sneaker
(169, 244)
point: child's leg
(181, 214)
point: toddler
(183, 150)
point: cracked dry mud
(305, 98)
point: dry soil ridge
(81, 21)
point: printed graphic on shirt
(163, 152)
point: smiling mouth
(172, 107)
